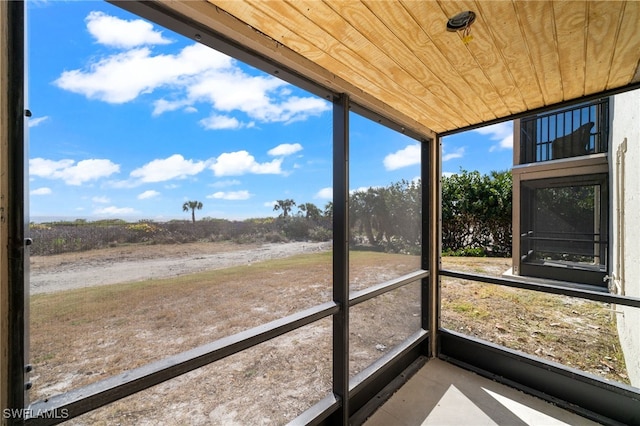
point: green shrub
(466, 252)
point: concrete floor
(443, 394)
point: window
(561, 196)
(573, 132)
(164, 221)
(564, 228)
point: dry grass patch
(81, 336)
(575, 332)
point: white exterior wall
(624, 244)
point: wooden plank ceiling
(398, 57)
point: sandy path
(111, 266)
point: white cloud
(403, 158)
(196, 74)
(270, 204)
(241, 162)
(219, 122)
(101, 200)
(299, 109)
(47, 168)
(457, 153)
(225, 183)
(148, 194)
(41, 191)
(256, 96)
(113, 211)
(285, 149)
(70, 172)
(39, 3)
(124, 76)
(325, 193)
(33, 122)
(116, 32)
(231, 195)
(174, 167)
(162, 105)
(501, 132)
(87, 170)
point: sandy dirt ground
(273, 382)
(126, 264)
(268, 384)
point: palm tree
(328, 210)
(193, 205)
(310, 210)
(285, 205)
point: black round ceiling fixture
(461, 21)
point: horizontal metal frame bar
(571, 265)
(360, 296)
(95, 395)
(380, 119)
(567, 240)
(379, 399)
(318, 412)
(574, 277)
(360, 380)
(574, 390)
(562, 233)
(598, 296)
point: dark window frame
(561, 133)
(565, 270)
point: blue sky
(131, 120)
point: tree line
(476, 215)
(476, 221)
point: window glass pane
(573, 132)
(477, 195)
(177, 195)
(271, 383)
(568, 214)
(578, 333)
(384, 237)
(384, 202)
(565, 229)
(379, 324)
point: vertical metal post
(431, 231)
(4, 185)
(14, 209)
(341, 255)
(515, 194)
(425, 287)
